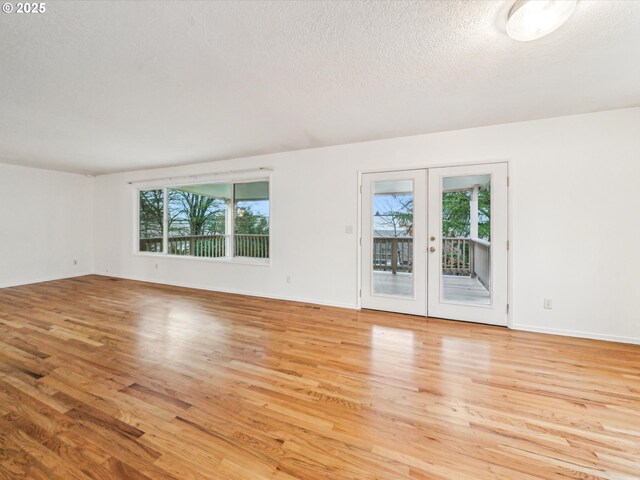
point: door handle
(432, 249)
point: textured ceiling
(107, 86)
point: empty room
(309, 240)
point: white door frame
(510, 314)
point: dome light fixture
(533, 19)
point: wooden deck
(457, 289)
(460, 289)
(112, 379)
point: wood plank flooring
(112, 379)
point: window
(216, 220)
(197, 220)
(252, 219)
(151, 220)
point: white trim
(249, 176)
(229, 239)
(44, 279)
(510, 305)
(233, 291)
(575, 334)
(437, 165)
(165, 222)
(261, 262)
(197, 177)
(359, 243)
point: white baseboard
(577, 334)
(43, 279)
(233, 291)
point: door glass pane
(466, 239)
(392, 262)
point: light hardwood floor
(113, 379)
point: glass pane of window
(466, 239)
(151, 220)
(252, 219)
(197, 219)
(393, 238)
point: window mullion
(165, 223)
(232, 223)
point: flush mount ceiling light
(533, 19)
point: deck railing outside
(210, 246)
(393, 254)
(460, 256)
(456, 256)
(256, 246)
(467, 257)
(153, 245)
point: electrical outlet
(288, 278)
(156, 266)
(548, 304)
(348, 229)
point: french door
(435, 242)
(394, 242)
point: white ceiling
(107, 86)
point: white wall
(574, 208)
(45, 224)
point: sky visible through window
(252, 217)
(393, 214)
(258, 207)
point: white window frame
(230, 257)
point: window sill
(260, 262)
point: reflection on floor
(103, 378)
(456, 289)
